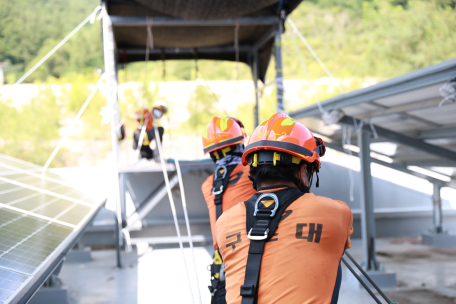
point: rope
(215, 96)
(236, 46)
(70, 128)
(306, 72)
(91, 18)
(141, 137)
(187, 223)
(173, 207)
(150, 37)
(296, 31)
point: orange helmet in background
(281, 133)
(222, 132)
(159, 111)
(144, 116)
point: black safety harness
(263, 212)
(221, 179)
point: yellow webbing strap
(217, 261)
(146, 141)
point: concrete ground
(156, 275)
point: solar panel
(41, 216)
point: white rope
(306, 72)
(173, 208)
(70, 128)
(346, 143)
(141, 137)
(90, 18)
(213, 94)
(150, 37)
(236, 46)
(296, 31)
(187, 223)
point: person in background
(145, 130)
(224, 140)
(284, 244)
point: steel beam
(391, 165)
(255, 72)
(132, 221)
(109, 53)
(437, 210)
(265, 38)
(419, 105)
(367, 203)
(173, 21)
(403, 140)
(189, 51)
(419, 79)
(443, 132)
(278, 66)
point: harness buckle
(217, 171)
(218, 191)
(258, 237)
(271, 195)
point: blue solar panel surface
(40, 215)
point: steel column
(367, 202)
(278, 66)
(109, 53)
(437, 211)
(255, 72)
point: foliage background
(377, 39)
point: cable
(295, 29)
(215, 96)
(307, 73)
(141, 137)
(361, 281)
(90, 18)
(70, 128)
(187, 223)
(173, 207)
(367, 277)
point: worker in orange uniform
(145, 129)
(284, 244)
(224, 140)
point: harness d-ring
(271, 195)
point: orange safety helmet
(159, 111)
(281, 133)
(222, 132)
(142, 116)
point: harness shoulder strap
(263, 213)
(221, 179)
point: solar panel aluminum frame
(28, 289)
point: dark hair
(277, 174)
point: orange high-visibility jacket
(300, 263)
(239, 189)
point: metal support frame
(278, 66)
(255, 72)
(109, 52)
(367, 203)
(174, 21)
(144, 209)
(187, 51)
(389, 165)
(404, 140)
(437, 210)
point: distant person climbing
(224, 140)
(145, 121)
(284, 244)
